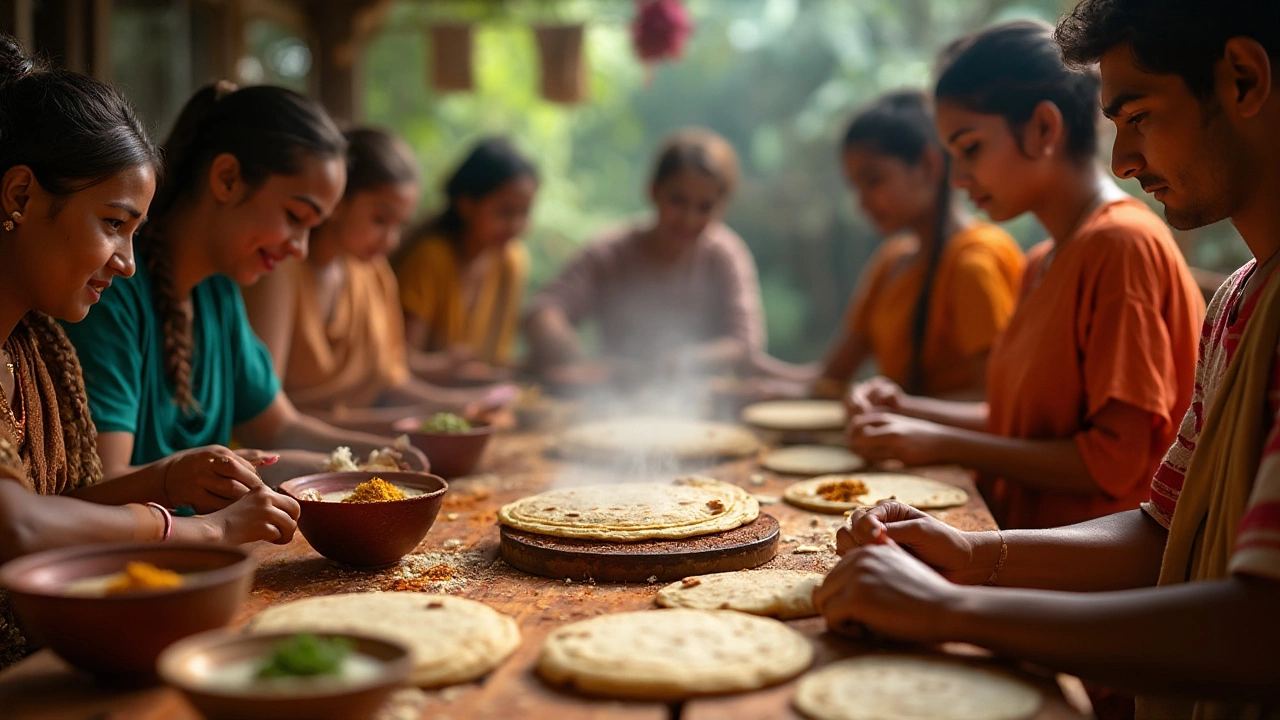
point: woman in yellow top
(934, 298)
(462, 281)
(332, 320)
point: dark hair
(71, 130)
(697, 149)
(376, 159)
(1011, 68)
(900, 125)
(269, 130)
(491, 164)
(1168, 37)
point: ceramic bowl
(366, 535)
(118, 637)
(189, 664)
(451, 454)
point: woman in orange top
(1091, 378)
(932, 300)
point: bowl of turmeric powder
(110, 609)
(366, 519)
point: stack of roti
(796, 415)
(672, 654)
(452, 640)
(659, 438)
(783, 594)
(913, 688)
(839, 493)
(689, 507)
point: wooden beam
(339, 33)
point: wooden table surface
(461, 552)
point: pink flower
(660, 29)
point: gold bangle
(1004, 553)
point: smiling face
(257, 227)
(1183, 151)
(990, 163)
(501, 216)
(892, 193)
(66, 251)
(369, 223)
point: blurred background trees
(779, 78)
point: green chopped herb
(306, 655)
(445, 423)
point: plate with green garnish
(285, 676)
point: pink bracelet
(168, 519)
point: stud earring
(9, 225)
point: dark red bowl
(187, 664)
(451, 454)
(366, 535)
(118, 637)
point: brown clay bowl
(118, 637)
(451, 454)
(366, 535)
(187, 665)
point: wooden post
(340, 31)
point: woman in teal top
(170, 360)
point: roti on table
(452, 640)
(670, 654)
(627, 512)
(873, 687)
(657, 438)
(796, 415)
(811, 460)
(839, 493)
(783, 594)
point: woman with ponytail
(462, 277)
(938, 292)
(332, 321)
(1086, 387)
(77, 173)
(170, 360)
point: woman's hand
(889, 591)
(877, 395)
(880, 436)
(211, 478)
(942, 547)
(262, 514)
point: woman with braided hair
(77, 173)
(170, 359)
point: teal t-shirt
(121, 350)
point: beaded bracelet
(1004, 553)
(168, 519)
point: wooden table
(464, 545)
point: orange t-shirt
(1114, 316)
(974, 294)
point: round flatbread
(655, 439)
(796, 415)
(875, 687)
(628, 512)
(811, 460)
(838, 493)
(783, 594)
(452, 640)
(672, 654)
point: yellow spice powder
(374, 490)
